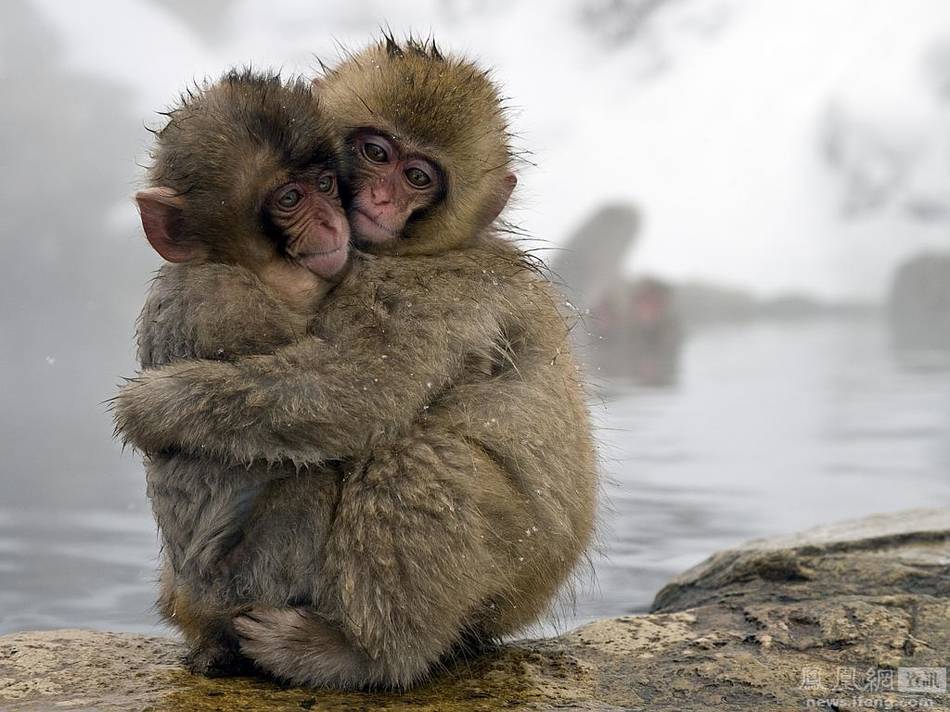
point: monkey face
(390, 185)
(246, 173)
(307, 213)
(310, 216)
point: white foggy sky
(720, 149)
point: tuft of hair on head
(224, 138)
(442, 105)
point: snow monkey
(244, 202)
(438, 381)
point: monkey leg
(201, 508)
(411, 562)
(257, 540)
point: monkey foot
(218, 660)
(298, 646)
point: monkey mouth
(375, 231)
(325, 263)
(319, 253)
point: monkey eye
(417, 177)
(325, 183)
(375, 153)
(289, 198)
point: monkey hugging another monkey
(366, 441)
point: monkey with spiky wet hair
(428, 142)
(243, 202)
(439, 378)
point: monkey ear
(498, 201)
(161, 210)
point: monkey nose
(380, 196)
(331, 225)
(327, 222)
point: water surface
(772, 428)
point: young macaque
(440, 376)
(244, 202)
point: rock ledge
(774, 625)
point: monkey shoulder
(476, 277)
(493, 293)
(536, 320)
(214, 311)
(525, 292)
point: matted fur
(469, 478)
(444, 388)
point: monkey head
(246, 172)
(427, 158)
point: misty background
(748, 204)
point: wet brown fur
(443, 385)
(225, 146)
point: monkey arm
(306, 403)
(322, 399)
(212, 311)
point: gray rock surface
(827, 616)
